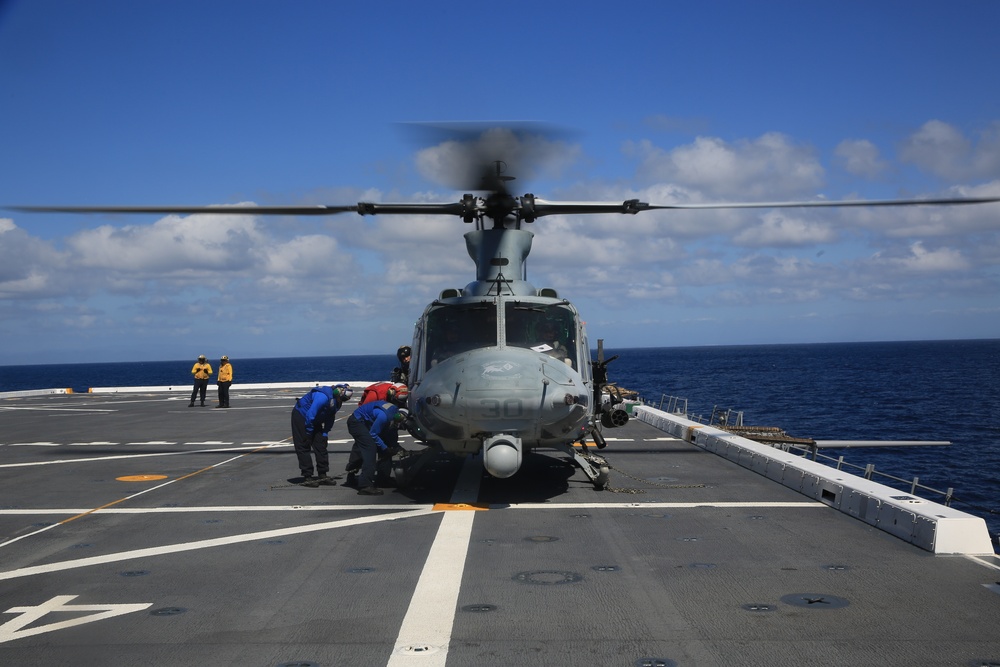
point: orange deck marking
(450, 507)
(140, 478)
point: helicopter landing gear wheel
(407, 464)
(603, 473)
(401, 473)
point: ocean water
(928, 390)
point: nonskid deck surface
(136, 530)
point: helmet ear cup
(390, 394)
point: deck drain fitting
(605, 568)
(272, 542)
(814, 601)
(655, 662)
(168, 611)
(479, 608)
(702, 566)
(360, 570)
(836, 568)
(758, 607)
(134, 573)
(299, 664)
(418, 649)
(548, 577)
(541, 538)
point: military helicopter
(500, 367)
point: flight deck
(135, 530)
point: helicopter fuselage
(499, 366)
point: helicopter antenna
(500, 280)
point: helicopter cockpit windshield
(550, 329)
(456, 328)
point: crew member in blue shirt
(312, 419)
(374, 427)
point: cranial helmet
(401, 415)
(343, 392)
(397, 393)
(403, 352)
(201, 357)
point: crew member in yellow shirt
(201, 371)
(225, 379)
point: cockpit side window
(550, 329)
(454, 329)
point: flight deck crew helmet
(400, 416)
(398, 394)
(393, 393)
(201, 357)
(342, 392)
(225, 358)
(402, 353)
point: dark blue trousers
(308, 445)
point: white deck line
(206, 544)
(426, 629)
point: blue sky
(160, 103)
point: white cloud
(780, 228)
(860, 157)
(172, 245)
(942, 149)
(938, 148)
(768, 166)
(28, 265)
(921, 260)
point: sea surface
(928, 390)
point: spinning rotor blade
(541, 207)
(838, 203)
(527, 208)
(485, 157)
(217, 210)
